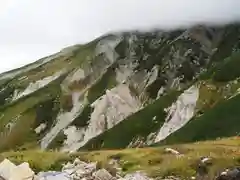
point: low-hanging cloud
(32, 29)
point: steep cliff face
(121, 90)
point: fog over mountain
(30, 29)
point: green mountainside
(125, 90)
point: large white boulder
(6, 168)
(22, 172)
(10, 171)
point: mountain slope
(126, 90)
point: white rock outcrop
(64, 119)
(32, 87)
(107, 46)
(73, 136)
(109, 110)
(179, 113)
(40, 128)
(152, 76)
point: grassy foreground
(154, 161)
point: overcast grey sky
(31, 29)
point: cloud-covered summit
(32, 29)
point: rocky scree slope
(128, 89)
